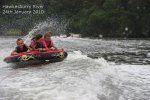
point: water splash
(34, 31)
(54, 24)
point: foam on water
(78, 77)
(148, 55)
(68, 80)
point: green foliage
(110, 18)
(97, 22)
(116, 18)
(79, 21)
(12, 32)
(111, 4)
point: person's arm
(52, 45)
(29, 48)
(32, 45)
(14, 52)
(45, 46)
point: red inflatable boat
(50, 55)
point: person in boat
(37, 43)
(47, 41)
(21, 47)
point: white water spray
(54, 25)
(38, 27)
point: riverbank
(4, 36)
(109, 38)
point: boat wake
(78, 77)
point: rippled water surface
(93, 70)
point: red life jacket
(49, 44)
(37, 44)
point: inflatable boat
(50, 56)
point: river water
(94, 70)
